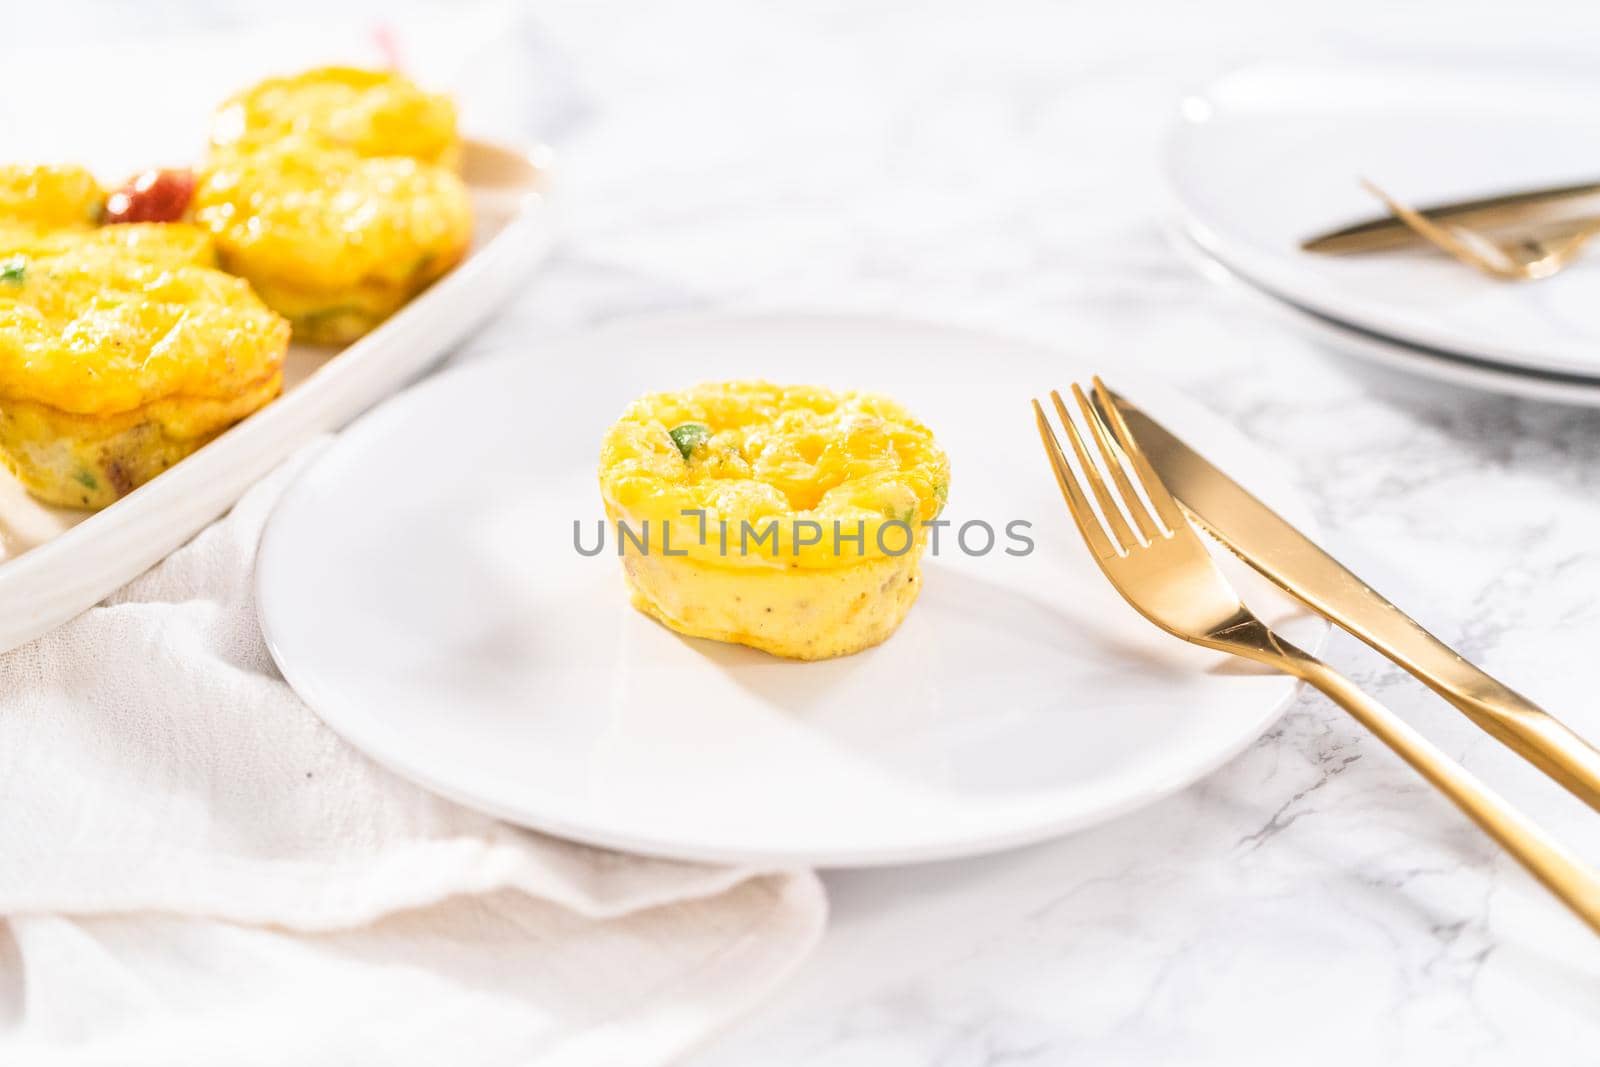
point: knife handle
(1564, 875)
(1504, 714)
(1501, 712)
(1531, 733)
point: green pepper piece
(689, 436)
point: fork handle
(1567, 877)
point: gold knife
(1568, 202)
(1285, 556)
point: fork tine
(1552, 258)
(1154, 488)
(1148, 530)
(1458, 241)
(1120, 532)
(1078, 504)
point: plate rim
(1461, 371)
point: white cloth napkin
(194, 870)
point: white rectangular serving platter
(56, 562)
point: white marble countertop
(1312, 901)
(998, 165)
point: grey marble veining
(998, 165)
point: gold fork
(1159, 564)
(1521, 259)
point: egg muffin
(333, 240)
(119, 355)
(174, 244)
(786, 518)
(46, 210)
(370, 112)
(49, 196)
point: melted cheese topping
(369, 112)
(772, 457)
(91, 329)
(313, 218)
(49, 196)
(173, 244)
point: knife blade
(1283, 555)
(1529, 206)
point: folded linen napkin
(193, 869)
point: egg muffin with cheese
(47, 210)
(370, 112)
(334, 193)
(786, 518)
(121, 353)
(174, 244)
(47, 196)
(333, 240)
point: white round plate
(1272, 154)
(420, 588)
(1450, 367)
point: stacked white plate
(1272, 154)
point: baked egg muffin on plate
(334, 241)
(786, 518)
(334, 192)
(119, 356)
(370, 112)
(49, 196)
(174, 244)
(47, 209)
